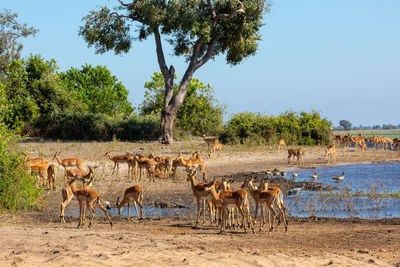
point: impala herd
(376, 142)
(217, 197)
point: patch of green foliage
(33, 90)
(200, 112)
(99, 91)
(89, 126)
(296, 129)
(17, 186)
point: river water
(369, 178)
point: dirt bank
(36, 238)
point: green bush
(297, 129)
(17, 187)
(77, 126)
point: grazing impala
(40, 173)
(299, 153)
(132, 194)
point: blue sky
(339, 57)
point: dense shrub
(299, 129)
(17, 186)
(77, 126)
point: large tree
(345, 124)
(10, 33)
(196, 29)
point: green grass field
(386, 133)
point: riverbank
(36, 238)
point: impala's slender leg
(90, 206)
(129, 210)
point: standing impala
(201, 195)
(266, 197)
(193, 163)
(210, 140)
(119, 159)
(36, 161)
(88, 198)
(68, 192)
(51, 176)
(236, 199)
(68, 162)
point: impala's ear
(213, 183)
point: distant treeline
(375, 127)
(243, 128)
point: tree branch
(210, 50)
(125, 5)
(228, 16)
(168, 74)
(212, 12)
(160, 53)
(132, 17)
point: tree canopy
(345, 124)
(197, 30)
(34, 89)
(10, 33)
(100, 91)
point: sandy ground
(37, 238)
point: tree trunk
(173, 102)
(167, 127)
